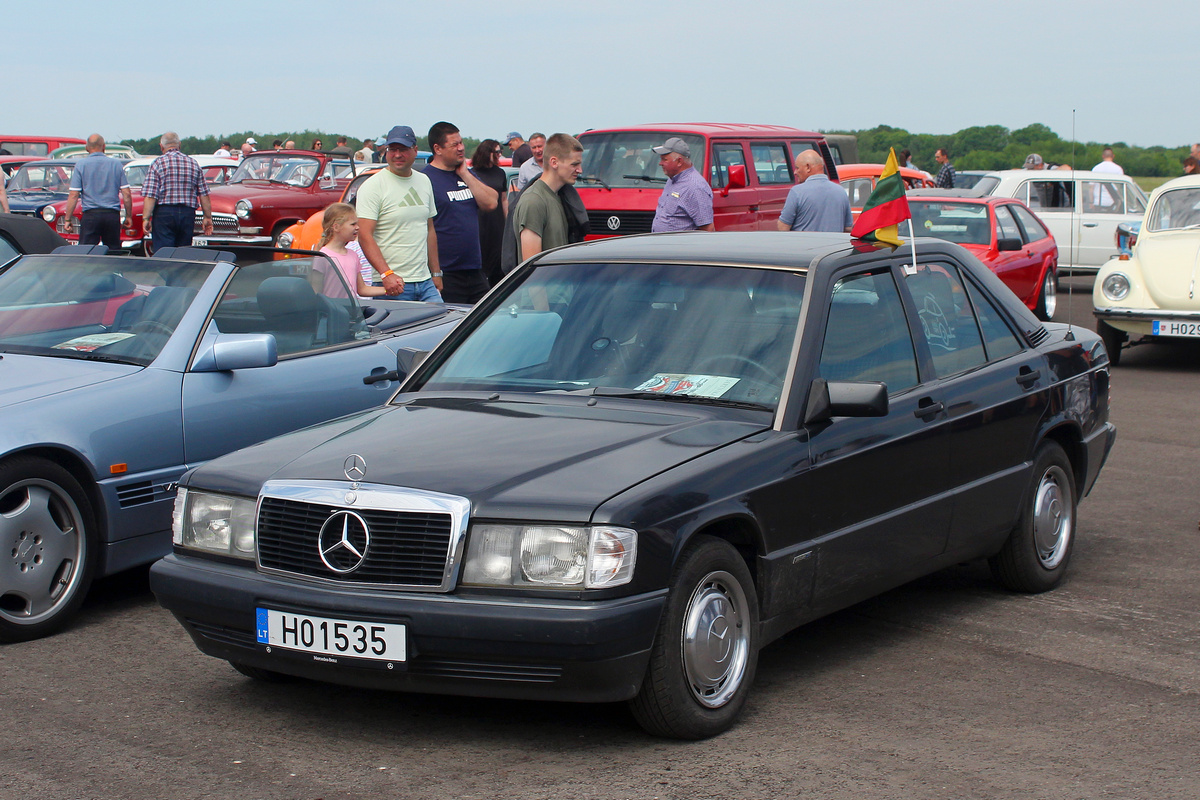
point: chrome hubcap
(716, 639)
(42, 557)
(1050, 293)
(1052, 522)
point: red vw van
(39, 146)
(751, 168)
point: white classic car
(1081, 208)
(1153, 292)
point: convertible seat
(165, 305)
(300, 318)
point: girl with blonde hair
(339, 227)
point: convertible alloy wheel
(1034, 557)
(704, 656)
(45, 563)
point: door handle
(927, 409)
(1090, 224)
(1028, 376)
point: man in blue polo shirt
(100, 181)
(686, 203)
(458, 196)
(815, 203)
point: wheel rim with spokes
(1052, 518)
(716, 639)
(41, 564)
(1050, 294)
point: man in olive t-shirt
(539, 220)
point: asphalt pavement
(946, 688)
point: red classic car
(217, 171)
(1001, 232)
(272, 190)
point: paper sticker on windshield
(86, 344)
(695, 385)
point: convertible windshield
(41, 178)
(626, 159)
(100, 307)
(963, 223)
(276, 166)
(700, 333)
(1174, 210)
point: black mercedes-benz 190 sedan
(640, 460)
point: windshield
(136, 175)
(98, 307)
(692, 333)
(964, 223)
(626, 159)
(41, 178)
(296, 170)
(1175, 210)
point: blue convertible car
(118, 374)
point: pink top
(347, 264)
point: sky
(1097, 71)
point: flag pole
(913, 244)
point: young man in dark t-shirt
(459, 196)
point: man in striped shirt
(174, 187)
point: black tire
(1035, 556)
(1113, 339)
(47, 544)
(1047, 302)
(259, 674)
(697, 684)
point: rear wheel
(706, 650)
(1047, 302)
(1035, 556)
(46, 543)
(1113, 338)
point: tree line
(204, 145)
(993, 147)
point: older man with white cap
(686, 203)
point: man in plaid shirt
(945, 176)
(174, 186)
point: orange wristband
(385, 274)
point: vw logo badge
(344, 541)
(355, 468)
(614, 222)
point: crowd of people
(448, 232)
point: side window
(1006, 224)
(859, 190)
(997, 336)
(867, 336)
(946, 318)
(1103, 197)
(7, 251)
(303, 302)
(771, 163)
(1034, 229)
(1133, 200)
(724, 157)
(1050, 195)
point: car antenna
(1070, 337)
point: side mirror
(233, 351)
(328, 182)
(1008, 244)
(737, 179)
(828, 399)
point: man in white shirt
(1107, 164)
(532, 168)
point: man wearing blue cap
(395, 222)
(521, 151)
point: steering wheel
(763, 370)
(152, 326)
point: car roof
(57, 162)
(1181, 182)
(712, 129)
(865, 170)
(956, 194)
(1060, 174)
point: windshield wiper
(595, 179)
(647, 178)
(614, 391)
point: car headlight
(1116, 286)
(285, 240)
(593, 557)
(214, 523)
(48, 213)
(243, 209)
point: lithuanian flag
(885, 209)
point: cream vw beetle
(1153, 293)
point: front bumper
(1140, 321)
(485, 646)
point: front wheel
(1047, 302)
(1113, 339)
(706, 650)
(1035, 555)
(46, 545)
